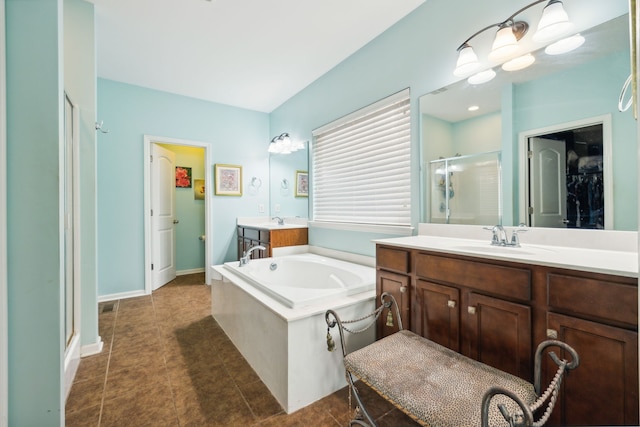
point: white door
(548, 192)
(163, 217)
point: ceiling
(253, 54)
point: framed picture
(198, 189)
(183, 177)
(228, 179)
(302, 184)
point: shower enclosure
(465, 189)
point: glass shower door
(466, 189)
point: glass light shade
(482, 77)
(519, 63)
(553, 23)
(467, 62)
(504, 45)
(565, 45)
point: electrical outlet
(261, 208)
(277, 207)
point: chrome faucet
(280, 220)
(246, 255)
(499, 236)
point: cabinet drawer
(593, 298)
(393, 259)
(511, 282)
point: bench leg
(361, 410)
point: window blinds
(361, 165)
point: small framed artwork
(228, 180)
(302, 184)
(183, 177)
(198, 189)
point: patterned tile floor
(166, 362)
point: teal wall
(562, 98)
(235, 136)
(80, 85)
(419, 52)
(34, 135)
(189, 211)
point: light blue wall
(562, 98)
(34, 135)
(478, 134)
(189, 211)
(236, 136)
(80, 85)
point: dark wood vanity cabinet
(270, 239)
(597, 315)
(480, 310)
(392, 276)
(497, 312)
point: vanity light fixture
(565, 45)
(282, 144)
(553, 23)
(482, 77)
(519, 63)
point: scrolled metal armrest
(573, 364)
(527, 415)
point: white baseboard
(122, 295)
(91, 349)
(71, 363)
(192, 271)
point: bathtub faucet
(246, 256)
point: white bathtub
(304, 279)
(285, 343)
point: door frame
(4, 334)
(208, 176)
(523, 140)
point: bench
(438, 387)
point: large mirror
(563, 99)
(286, 177)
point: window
(361, 166)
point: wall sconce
(282, 144)
(553, 23)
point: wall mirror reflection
(282, 177)
(559, 96)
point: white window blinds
(361, 165)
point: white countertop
(607, 261)
(266, 223)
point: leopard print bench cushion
(435, 385)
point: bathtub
(274, 315)
(304, 279)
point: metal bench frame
(525, 418)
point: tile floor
(166, 362)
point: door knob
(175, 221)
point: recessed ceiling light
(519, 63)
(473, 108)
(565, 45)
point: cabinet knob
(403, 289)
(552, 334)
(451, 304)
(471, 309)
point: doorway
(169, 209)
(567, 178)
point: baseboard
(71, 364)
(91, 349)
(122, 295)
(192, 271)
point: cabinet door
(437, 313)
(499, 334)
(603, 390)
(398, 286)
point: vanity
(495, 304)
(270, 234)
